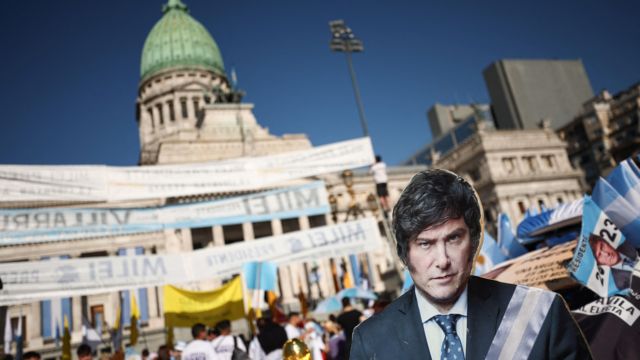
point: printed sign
(34, 280)
(105, 183)
(24, 226)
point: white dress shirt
(433, 332)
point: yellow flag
(347, 282)
(184, 308)
(66, 340)
(135, 315)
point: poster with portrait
(603, 260)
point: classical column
(218, 235)
(288, 292)
(190, 109)
(247, 231)
(166, 112)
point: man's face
(605, 254)
(439, 261)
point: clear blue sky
(70, 69)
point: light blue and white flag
(141, 293)
(8, 332)
(618, 209)
(507, 240)
(19, 339)
(408, 281)
(626, 183)
(633, 166)
(260, 275)
(355, 270)
(52, 313)
(490, 255)
(598, 261)
(90, 335)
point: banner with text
(105, 183)
(34, 280)
(24, 226)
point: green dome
(179, 41)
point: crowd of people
(328, 339)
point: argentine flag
(602, 271)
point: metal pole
(356, 91)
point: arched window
(160, 115)
(183, 108)
(172, 115)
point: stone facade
(515, 170)
(181, 119)
(606, 132)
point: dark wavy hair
(431, 198)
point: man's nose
(442, 255)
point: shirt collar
(428, 311)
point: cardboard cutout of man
(438, 226)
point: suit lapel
(483, 315)
(410, 330)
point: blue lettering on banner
(67, 274)
(44, 225)
(19, 277)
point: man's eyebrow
(457, 231)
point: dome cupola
(179, 41)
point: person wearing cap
(449, 314)
(199, 348)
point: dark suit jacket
(397, 332)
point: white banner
(24, 226)
(34, 280)
(103, 183)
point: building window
(196, 104)
(153, 124)
(475, 174)
(521, 207)
(560, 200)
(172, 115)
(317, 220)
(531, 164)
(232, 233)
(548, 161)
(183, 108)
(509, 164)
(290, 225)
(262, 229)
(201, 237)
(541, 204)
(97, 316)
(14, 327)
(160, 115)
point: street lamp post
(343, 40)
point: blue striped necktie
(451, 345)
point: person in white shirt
(379, 171)
(224, 344)
(199, 348)
(292, 329)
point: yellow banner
(184, 308)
